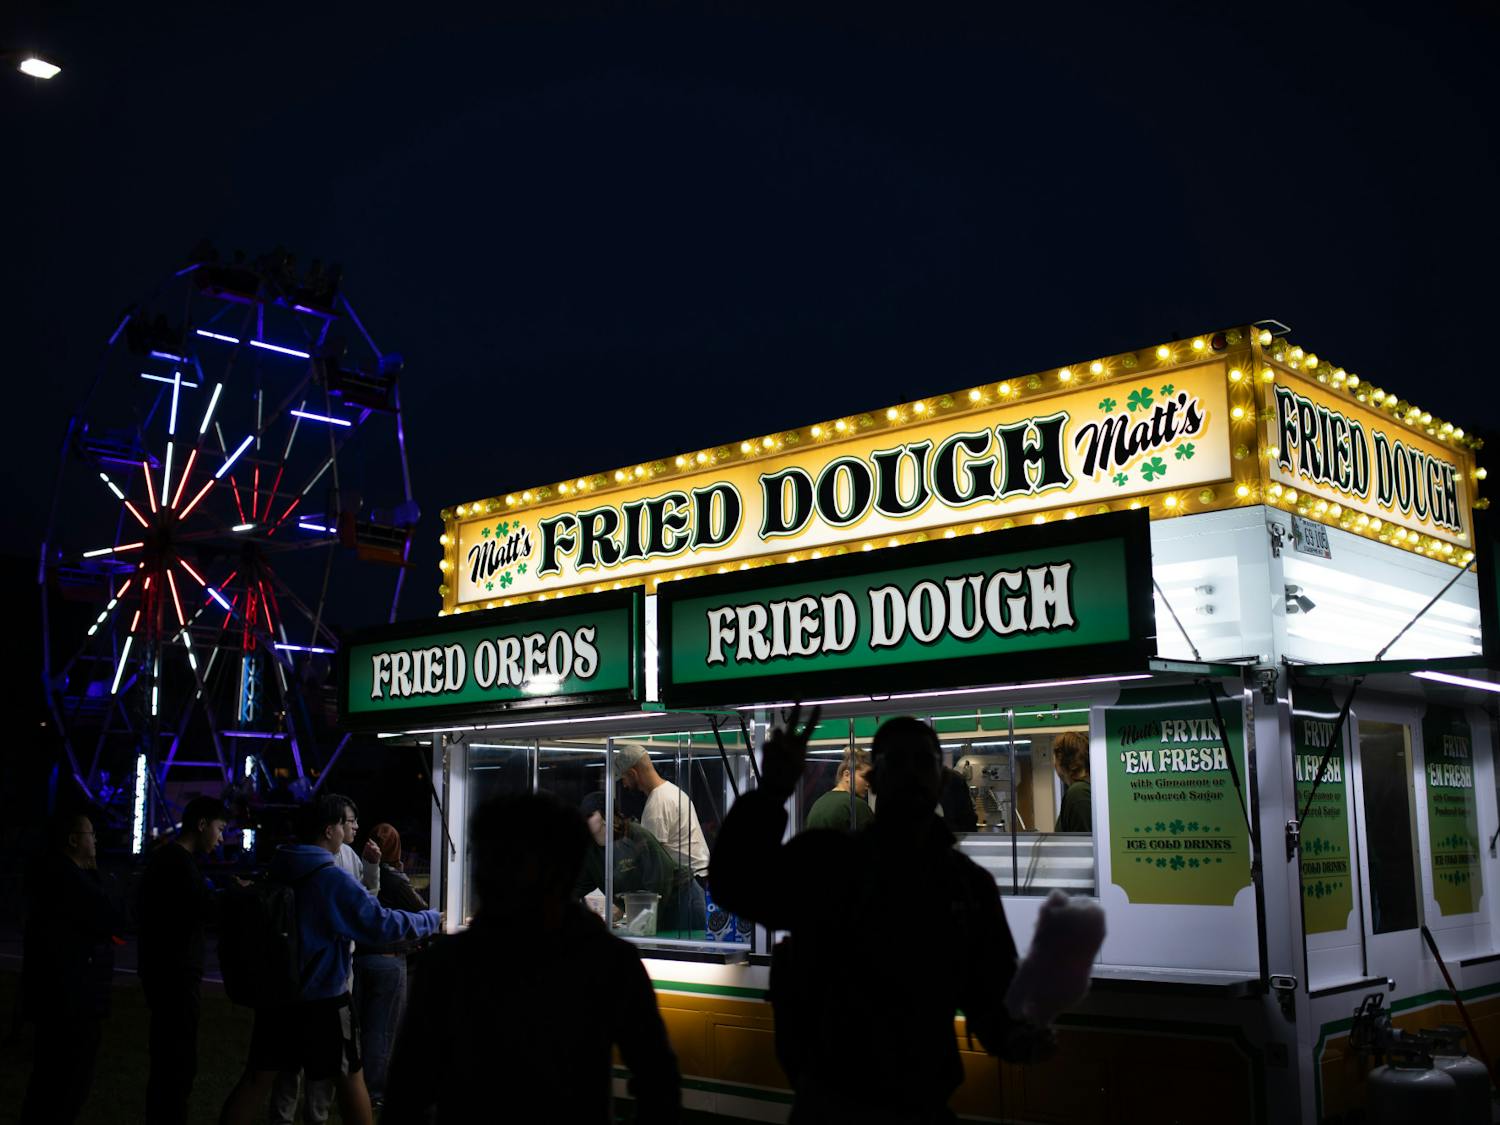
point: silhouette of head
(908, 764)
(528, 849)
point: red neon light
(284, 515)
(184, 564)
(255, 495)
(240, 508)
(202, 492)
(134, 621)
(147, 586)
(182, 482)
(176, 601)
(120, 593)
(150, 488)
(134, 511)
(275, 486)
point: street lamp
(33, 64)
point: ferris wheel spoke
(319, 629)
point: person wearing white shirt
(669, 814)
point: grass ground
(119, 1091)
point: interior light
(1457, 681)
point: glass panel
(494, 770)
(825, 796)
(1386, 776)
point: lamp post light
(32, 64)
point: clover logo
(1121, 479)
(1184, 452)
(1107, 404)
(1154, 468)
(1139, 399)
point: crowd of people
(320, 949)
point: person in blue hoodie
(319, 1033)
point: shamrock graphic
(1167, 390)
(502, 527)
(1192, 826)
(1139, 400)
(1121, 479)
(1175, 827)
(484, 532)
(521, 569)
(1193, 862)
(1155, 467)
(505, 579)
(1184, 452)
(1161, 863)
(1177, 863)
(1107, 404)
(489, 585)
(1161, 826)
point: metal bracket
(1285, 988)
(1293, 839)
(1278, 538)
(1267, 675)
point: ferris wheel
(237, 463)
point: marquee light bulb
(1265, 337)
(746, 447)
(975, 396)
(1242, 491)
(919, 407)
(702, 458)
(1039, 519)
(841, 425)
(1005, 388)
(1268, 376)
(1480, 474)
(1198, 344)
(1235, 374)
(767, 443)
(1065, 375)
(1096, 368)
(1163, 352)
(817, 431)
(1237, 413)
(681, 461)
(892, 414)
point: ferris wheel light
(134, 511)
(202, 492)
(243, 527)
(114, 688)
(305, 526)
(218, 597)
(217, 336)
(233, 457)
(188, 567)
(168, 356)
(113, 487)
(172, 417)
(320, 418)
(176, 601)
(304, 648)
(276, 348)
(187, 471)
(150, 488)
(163, 379)
(213, 401)
(112, 550)
(166, 475)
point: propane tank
(1410, 1089)
(1446, 1046)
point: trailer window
(1386, 776)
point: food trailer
(1246, 575)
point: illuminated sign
(1327, 446)
(1072, 598)
(1163, 430)
(589, 651)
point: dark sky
(601, 237)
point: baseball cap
(627, 756)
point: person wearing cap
(641, 864)
(669, 814)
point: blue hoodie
(332, 911)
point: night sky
(602, 237)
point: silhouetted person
(1070, 757)
(892, 930)
(319, 1034)
(518, 1014)
(380, 970)
(67, 969)
(175, 902)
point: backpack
(260, 954)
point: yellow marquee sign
(1380, 467)
(1239, 417)
(1005, 461)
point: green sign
(1177, 832)
(545, 654)
(1327, 879)
(1068, 599)
(1452, 821)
